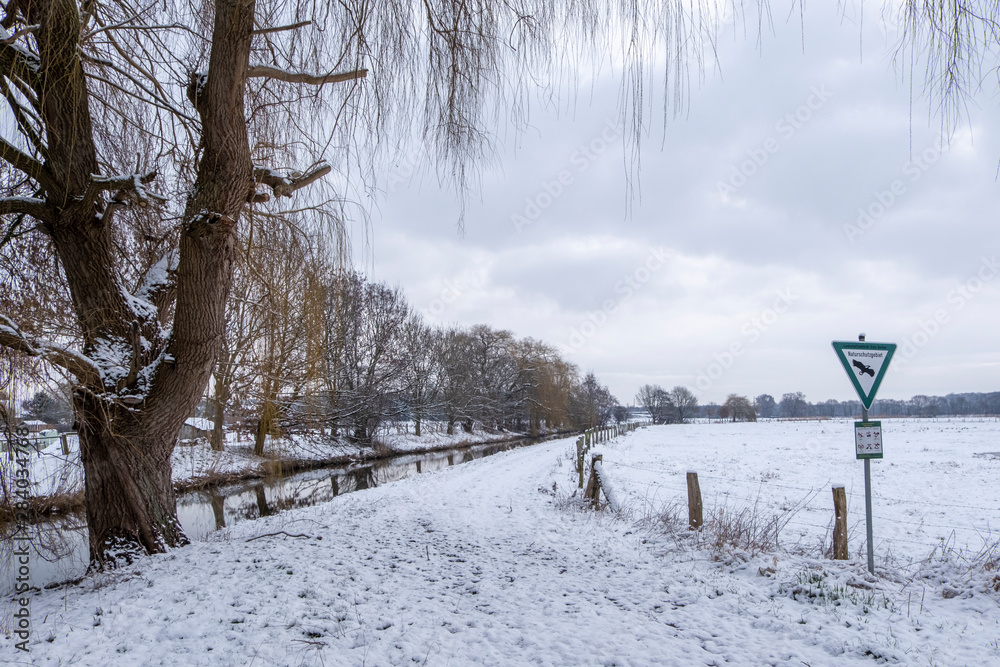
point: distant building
(34, 425)
(196, 427)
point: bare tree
(83, 83)
(285, 357)
(233, 376)
(738, 409)
(592, 403)
(655, 400)
(683, 403)
(454, 351)
(421, 369)
(494, 375)
(545, 382)
(793, 405)
(621, 414)
(765, 406)
(371, 338)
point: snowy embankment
(494, 562)
(195, 462)
(54, 473)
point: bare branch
(29, 165)
(280, 532)
(137, 27)
(10, 39)
(162, 97)
(294, 26)
(264, 71)
(284, 186)
(17, 62)
(36, 208)
(153, 99)
(27, 120)
(83, 368)
(131, 184)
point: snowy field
(939, 483)
(496, 562)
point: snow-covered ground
(938, 482)
(496, 562)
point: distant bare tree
(494, 375)
(793, 405)
(620, 414)
(765, 406)
(738, 409)
(420, 376)
(454, 353)
(656, 401)
(592, 403)
(545, 385)
(370, 335)
(683, 403)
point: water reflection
(62, 552)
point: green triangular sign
(865, 364)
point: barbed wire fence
(802, 515)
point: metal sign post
(866, 364)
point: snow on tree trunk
(131, 507)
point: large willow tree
(135, 138)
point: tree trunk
(218, 435)
(265, 426)
(128, 422)
(131, 506)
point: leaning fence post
(839, 522)
(695, 519)
(593, 492)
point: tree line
(679, 404)
(340, 355)
(795, 405)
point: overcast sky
(747, 253)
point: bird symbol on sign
(863, 369)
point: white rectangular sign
(868, 439)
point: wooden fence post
(579, 458)
(593, 492)
(695, 518)
(63, 439)
(839, 522)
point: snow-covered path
(479, 564)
